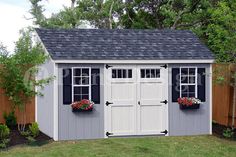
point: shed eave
(195, 61)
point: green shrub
(10, 119)
(31, 133)
(4, 134)
(34, 129)
(228, 133)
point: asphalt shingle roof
(122, 44)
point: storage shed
(134, 77)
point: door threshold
(135, 136)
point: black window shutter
(95, 87)
(175, 84)
(201, 86)
(67, 86)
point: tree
(162, 14)
(37, 12)
(212, 20)
(101, 13)
(67, 18)
(18, 71)
(219, 32)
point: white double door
(135, 95)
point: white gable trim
(136, 61)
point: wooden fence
(5, 106)
(223, 94)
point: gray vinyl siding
(190, 122)
(89, 125)
(45, 103)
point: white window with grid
(81, 83)
(188, 82)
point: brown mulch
(17, 139)
(217, 130)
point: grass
(189, 146)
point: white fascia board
(136, 61)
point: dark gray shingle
(122, 44)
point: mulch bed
(217, 130)
(17, 139)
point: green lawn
(200, 146)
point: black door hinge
(164, 132)
(108, 134)
(108, 103)
(108, 66)
(165, 101)
(164, 66)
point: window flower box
(186, 103)
(82, 106)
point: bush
(34, 129)
(4, 134)
(10, 119)
(228, 133)
(32, 133)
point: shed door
(122, 94)
(151, 92)
(136, 93)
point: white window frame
(182, 84)
(74, 85)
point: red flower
(83, 104)
(188, 101)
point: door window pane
(121, 73)
(150, 73)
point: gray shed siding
(190, 122)
(80, 125)
(45, 103)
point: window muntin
(121, 73)
(188, 82)
(81, 84)
(150, 73)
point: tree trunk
(110, 15)
(72, 4)
(22, 122)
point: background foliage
(18, 72)
(212, 20)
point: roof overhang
(195, 61)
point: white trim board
(136, 61)
(55, 104)
(210, 75)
